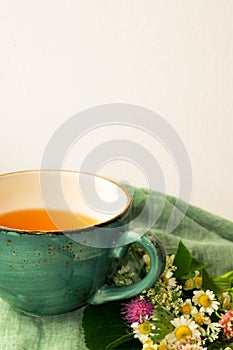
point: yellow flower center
(185, 309)
(189, 284)
(198, 281)
(162, 347)
(182, 332)
(199, 319)
(204, 300)
(144, 328)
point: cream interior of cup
(76, 194)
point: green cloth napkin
(208, 237)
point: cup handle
(157, 256)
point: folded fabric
(208, 237)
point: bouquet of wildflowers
(185, 309)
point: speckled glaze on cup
(52, 272)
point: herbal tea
(45, 220)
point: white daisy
(143, 331)
(200, 317)
(150, 346)
(170, 259)
(206, 300)
(189, 284)
(213, 330)
(167, 278)
(225, 300)
(197, 280)
(184, 327)
(186, 307)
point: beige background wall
(174, 57)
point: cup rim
(66, 231)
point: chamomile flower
(189, 284)
(206, 300)
(143, 331)
(200, 317)
(150, 346)
(168, 279)
(163, 345)
(168, 275)
(212, 331)
(184, 327)
(225, 300)
(186, 307)
(170, 260)
(197, 280)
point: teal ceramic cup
(49, 270)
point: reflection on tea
(45, 220)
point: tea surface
(42, 220)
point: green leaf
(222, 283)
(182, 260)
(209, 283)
(196, 266)
(162, 327)
(124, 343)
(104, 325)
(132, 345)
(228, 276)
